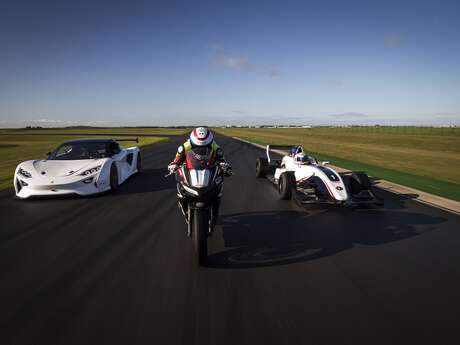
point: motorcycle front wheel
(200, 221)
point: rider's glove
(172, 168)
(227, 168)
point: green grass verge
(15, 149)
(430, 185)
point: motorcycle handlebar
(227, 170)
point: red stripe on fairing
(181, 173)
(303, 179)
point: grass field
(424, 158)
(22, 145)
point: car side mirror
(325, 163)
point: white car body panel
(61, 177)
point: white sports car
(300, 176)
(81, 166)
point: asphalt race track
(119, 269)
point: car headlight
(91, 171)
(24, 173)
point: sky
(229, 62)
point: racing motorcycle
(199, 189)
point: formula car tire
(262, 167)
(359, 181)
(286, 185)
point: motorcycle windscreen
(200, 178)
(200, 158)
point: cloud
(235, 62)
(47, 121)
(392, 40)
(446, 115)
(349, 115)
(241, 62)
(61, 123)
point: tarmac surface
(119, 269)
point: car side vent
(18, 185)
(129, 158)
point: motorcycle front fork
(187, 213)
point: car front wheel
(113, 177)
(286, 185)
(139, 163)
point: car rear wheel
(113, 177)
(139, 163)
(286, 185)
(261, 167)
(359, 181)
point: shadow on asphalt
(150, 180)
(260, 239)
(394, 201)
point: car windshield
(80, 150)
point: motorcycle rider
(201, 142)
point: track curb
(445, 204)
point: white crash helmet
(201, 136)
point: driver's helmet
(302, 158)
(201, 136)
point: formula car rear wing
(282, 149)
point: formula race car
(301, 177)
(82, 166)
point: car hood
(55, 168)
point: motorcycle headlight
(24, 173)
(91, 171)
